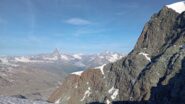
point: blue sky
(73, 26)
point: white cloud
(78, 21)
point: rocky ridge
(153, 72)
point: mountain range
(66, 62)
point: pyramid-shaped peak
(179, 7)
(56, 52)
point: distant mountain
(62, 62)
(152, 73)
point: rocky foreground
(14, 100)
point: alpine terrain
(152, 73)
(35, 77)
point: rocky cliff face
(154, 72)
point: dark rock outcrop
(153, 72)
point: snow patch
(51, 58)
(57, 101)
(4, 60)
(64, 57)
(102, 57)
(86, 94)
(77, 56)
(133, 81)
(111, 90)
(22, 59)
(27, 60)
(131, 98)
(101, 68)
(179, 7)
(108, 102)
(146, 56)
(114, 92)
(77, 73)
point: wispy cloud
(78, 21)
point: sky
(73, 26)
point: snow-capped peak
(179, 7)
(77, 56)
(114, 57)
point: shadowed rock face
(173, 92)
(152, 73)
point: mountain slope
(15, 100)
(157, 60)
(31, 83)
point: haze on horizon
(74, 26)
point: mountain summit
(152, 73)
(179, 7)
(56, 52)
